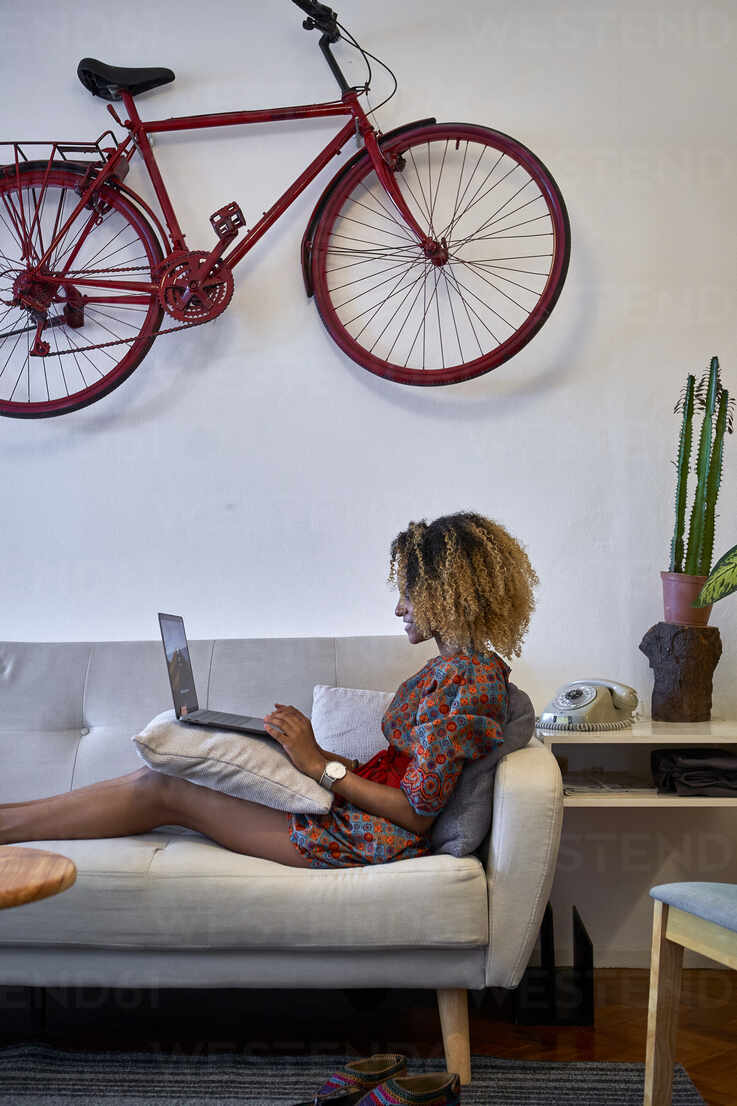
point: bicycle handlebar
(320, 16)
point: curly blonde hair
(469, 581)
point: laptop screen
(178, 664)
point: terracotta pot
(679, 593)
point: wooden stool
(698, 916)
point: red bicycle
(434, 254)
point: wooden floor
(314, 1022)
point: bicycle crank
(190, 290)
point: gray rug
(38, 1075)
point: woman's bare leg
(142, 800)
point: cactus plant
(711, 396)
(684, 453)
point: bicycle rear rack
(94, 155)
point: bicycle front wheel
(94, 336)
(418, 320)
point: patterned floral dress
(451, 711)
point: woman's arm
(293, 731)
(379, 798)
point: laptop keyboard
(215, 717)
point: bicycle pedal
(227, 221)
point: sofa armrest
(523, 849)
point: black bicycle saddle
(108, 81)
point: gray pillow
(464, 821)
(246, 767)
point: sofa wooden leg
(662, 1024)
(453, 1007)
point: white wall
(298, 467)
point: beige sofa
(171, 908)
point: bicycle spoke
(424, 207)
(101, 324)
(453, 315)
(13, 226)
(370, 226)
(476, 198)
(487, 222)
(79, 348)
(516, 283)
(358, 280)
(384, 213)
(422, 325)
(61, 364)
(410, 309)
(367, 291)
(470, 310)
(98, 311)
(440, 177)
(7, 362)
(396, 290)
(458, 215)
(399, 308)
(483, 302)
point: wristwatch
(332, 772)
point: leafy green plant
(710, 396)
(722, 579)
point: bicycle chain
(119, 341)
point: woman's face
(405, 611)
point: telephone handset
(590, 705)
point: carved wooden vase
(683, 659)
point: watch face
(335, 769)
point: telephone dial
(590, 705)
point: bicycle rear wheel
(407, 318)
(96, 337)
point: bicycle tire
(439, 175)
(108, 339)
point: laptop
(181, 678)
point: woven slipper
(433, 1089)
(349, 1085)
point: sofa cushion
(128, 682)
(255, 768)
(41, 685)
(44, 768)
(250, 676)
(163, 890)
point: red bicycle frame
(139, 130)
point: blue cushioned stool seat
(714, 902)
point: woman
(462, 580)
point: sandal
(350, 1085)
(432, 1089)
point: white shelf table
(648, 734)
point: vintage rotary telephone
(590, 705)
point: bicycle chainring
(188, 297)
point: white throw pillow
(347, 720)
(246, 767)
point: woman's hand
(293, 731)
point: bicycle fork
(436, 251)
